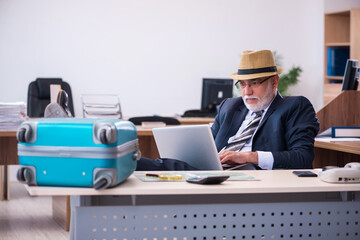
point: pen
(152, 175)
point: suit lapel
(236, 121)
(240, 114)
(271, 109)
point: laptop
(193, 144)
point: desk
(195, 120)
(279, 206)
(8, 156)
(336, 153)
(339, 112)
(147, 143)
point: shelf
(340, 31)
(344, 12)
(334, 77)
(339, 44)
(337, 28)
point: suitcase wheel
(105, 133)
(102, 135)
(21, 135)
(24, 133)
(24, 175)
(102, 182)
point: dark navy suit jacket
(287, 130)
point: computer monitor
(214, 90)
(351, 75)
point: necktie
(238, 143)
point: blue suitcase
(77, 152)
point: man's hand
(231, 158)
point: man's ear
(275, 81)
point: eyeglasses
(253, 83)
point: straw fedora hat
(256, 64)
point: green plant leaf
(288, 79)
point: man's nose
(248, 90)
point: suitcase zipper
(79, 152)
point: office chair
(39, 95)
(166, 120)
(207, 113)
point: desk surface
(348, 147)
(271, 181)
(195, 120)
(8, 133)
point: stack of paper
(12, 115)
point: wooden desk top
(8, 133)
(271, 181)
(195, 120)
(144, 131)
(348, 147)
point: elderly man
(261, 127)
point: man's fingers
(225, 156)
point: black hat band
(256, 70)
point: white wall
(338, 5)
(153, 53)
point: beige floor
(25, 217)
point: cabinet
(341, 30)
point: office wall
(338, 5)
(153, 53)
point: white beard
(262, 102)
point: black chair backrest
(200, 113)
(39, 95)
(166, 120)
